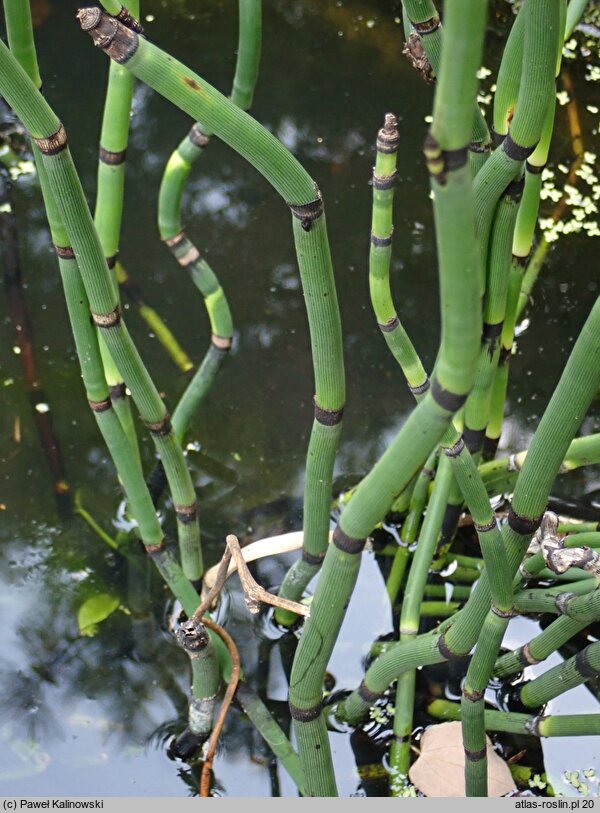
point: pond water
(92, 715)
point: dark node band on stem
(222, 343)
(450, 401)
(117, 391)
(444, 650)
(189, 257)
(505, 354)
(305, 715)
(490, 447)
(475, 756)
(366, 694)
(160, 428)
(64, 252)
(384, 182)
(346, 543)
(126, 17)
(107, 33)
(503, 613)
(112, 260)
(113, 159)
(155, 550)
(533, 725)
(107, 320)
(491, 331)
(53, 144)
(186, 513)
(524, 526)
(583, 666)
(456, 448)
(390, 325)
(562, 601)
(516, 151)
(401, 738)
(173, 242)
(419, 389)
(327, 417)
(497, 137)
(473, 439)
(472, 694)
(480, 147)
(197, 137)
(525, 656)
(312, 558)
(426, 26)
(534, 169)
(388, 137)
(100, 406)
(307, 213)
(522, 260)
(381, 242)
(489, 526)
(440, 162)
(514, 191)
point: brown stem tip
(118, 41)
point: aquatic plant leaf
(93, 611)
(440, 768)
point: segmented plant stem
(50, 138)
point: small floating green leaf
(95, 610)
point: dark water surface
(90, 715)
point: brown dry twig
(204, 788)
(254, 594)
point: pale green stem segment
(20, 38)
(553, 725)
(88, 353)
(108, 212)
(571, 399)
(170, 218)
(453, 377)
(541, 37)
(50, 138)
(400, 750)
(270, 158)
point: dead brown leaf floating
(440, 768)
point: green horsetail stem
(563, 415)
(472, 701)
(50, 138)
(499, 476)
(170, 218)
(129, 472)
(20, 38)
(109, 210)
(490, 537)
(380, 253)
(446, 154)
(425, 21)
(173, 233)
(552, 725)
(281, 169)
(583, 666)
(410, 527)
(194, 639)
(578, 600)
(271, 733)
(400, 749)
(477, 407)
(539, 648)
(509, 78)
(541, 42)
